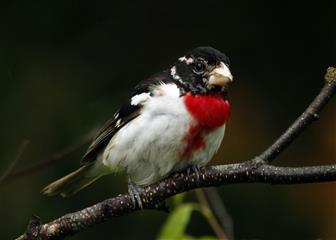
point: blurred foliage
(66, 66)
(176, 224)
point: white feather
(148, 148)
(186, 60)
(140, 98)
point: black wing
(124, 115)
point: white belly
(150, 146)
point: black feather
(124, 115)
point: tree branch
(256, 170)
(8, 171)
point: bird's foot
(135, 191)
(196, 170)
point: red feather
(210, 112)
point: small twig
(10, 168)
(209, 214)
(218, 208)
(256, 170)
(46, 162)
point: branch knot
(330, 75)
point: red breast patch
(209, 112)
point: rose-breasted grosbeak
(174, 120)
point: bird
(174, 120)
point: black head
(203, 70)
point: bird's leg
(196, 170)
(135, 191)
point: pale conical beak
(220, 76)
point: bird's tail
(71, 183)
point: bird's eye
(199, 67)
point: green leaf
(186, 237)
(177, 222)
(206, 238)
(178, 199)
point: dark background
(66, 66)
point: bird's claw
(135, 191)
(196, 170)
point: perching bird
(174, 120)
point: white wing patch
(140, 99)
(116, 115)
(118, 123)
